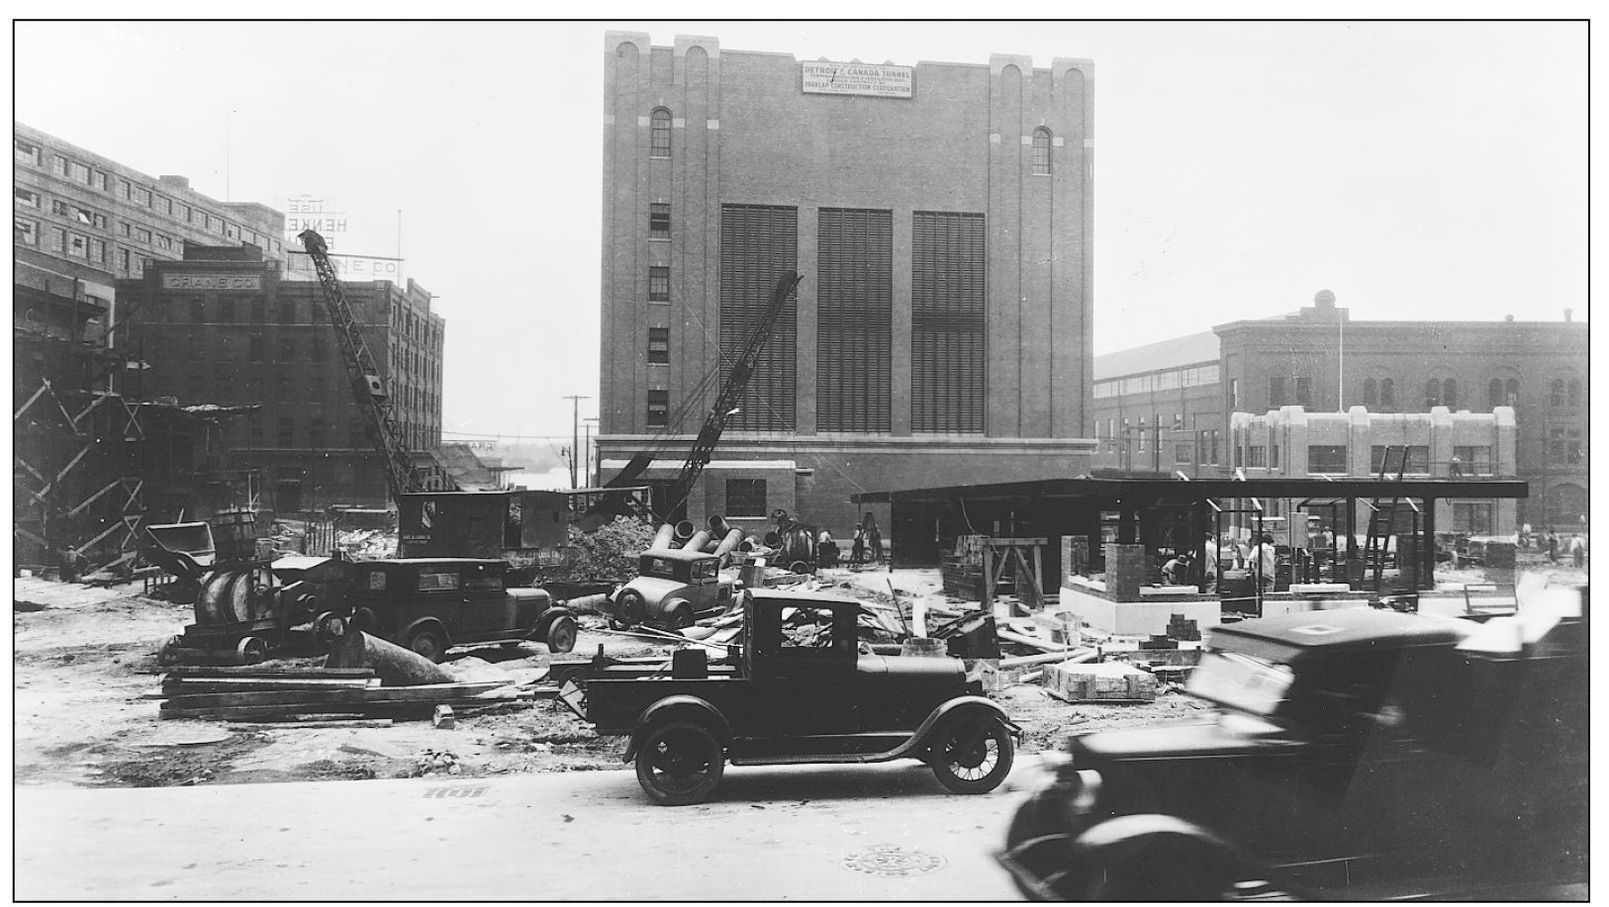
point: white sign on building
(878, 80)
(307, 212)
(299, 266)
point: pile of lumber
(256, 693)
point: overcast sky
(1417, 169)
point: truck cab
(796, 688)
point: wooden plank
(435, 692)
(292, 721)
(184, 686)
(265, 671)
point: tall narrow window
(949, 343)
(1556, 398)
(659, 220)
(658, 284)
(658, 408)
(1041, 151)
(1304, 391)
(1494, 392)
(1432, 393)
(1371, 395)
(659, 345)
(1276, 392)
(659, 133)
(1511, 391)
(1388, 393)
(1449, 393)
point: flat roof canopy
(1153, 491)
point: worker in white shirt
(1263, 562)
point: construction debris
(394, 665)
(442, 718)
(1106, 682)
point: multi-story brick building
(82, 460)
(1539, 368)
(222, 326)
(1294, 442)
(940, 215)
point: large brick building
(86, 451)
(1164, 406)
(223, 327)
(940, 215)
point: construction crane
(726, 406)
(368, 388)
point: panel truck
(797, 688)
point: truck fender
(681, 706)
(546, 620)
(1139, 844)
(958, 706)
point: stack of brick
(1106, 682)
(1126, 571)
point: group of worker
(1260, 559)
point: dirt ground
(85, 664)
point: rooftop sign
(878, 80)
(239, 282)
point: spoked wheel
(680, 763)
(972, 756)
(630, 608)
(681, 618)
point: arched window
(1388, 393)
(1041, 150)
(1370, 396)
(1575, 392)
(659, 133)
(1432, 393)
(1449, 393)
(1511, 391)
(1494, 392)
(1557, 395)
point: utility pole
(591, 466)
(575, 431)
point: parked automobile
(1357, 753)
(432, 604)
(797, 689)
(673, 588)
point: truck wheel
(1168, 868)
(427, 641)
(680, 763)
(560, 636)
(972, 756)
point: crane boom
(368, 388)
(731, 393)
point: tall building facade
(86, 451)
(940, 215)
(1321, 360)
(221, 326)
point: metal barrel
(733, 539)
(698, 541)
(665, 535)
(684, 530)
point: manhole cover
(893, 861)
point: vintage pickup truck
(1357, 754)
(798, 688)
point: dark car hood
(1184, 740)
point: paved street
(775, 833)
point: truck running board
(837, 748)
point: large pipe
(698, 541)
(664, 537)
(747, 545)
(684, 530)
(718, 525)
(729, 544)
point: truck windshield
(1242, 682)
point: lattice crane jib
(368, 387)
(730, 395)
